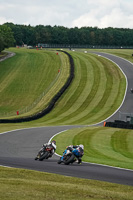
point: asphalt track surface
(18, 148)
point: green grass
(20, 184)
(109, 146)
(98, 83)
(95, 93)
(30, 79)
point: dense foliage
(6, 37)
(79, 36)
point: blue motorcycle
(70, 156)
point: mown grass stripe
(117, 93)
(68, 100)
(119, 143)
(79, 96)
(99, 88)
(111, 83)
(85, 106)
(86, 93)
(55, 112)
(105, 146)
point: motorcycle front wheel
(44, 156)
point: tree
(1, 43)
(6, 36)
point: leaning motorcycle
(44, 153)
(69, 156)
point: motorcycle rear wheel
(70, 160)
(59, 161)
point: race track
(127, 68)
(18, 148)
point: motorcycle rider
(52, 144)
(80, 149)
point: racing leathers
(79, 149)
(52, 144)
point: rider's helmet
(54, 142)
(82, 146)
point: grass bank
(30, 79)
(23, 184)
(95, 93)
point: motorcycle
(44, 153)
(70, 156)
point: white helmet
(82, 146)
(54, 145)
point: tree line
(30, 35)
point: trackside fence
(125, 121)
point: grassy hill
(30, 79)
(95, 93)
